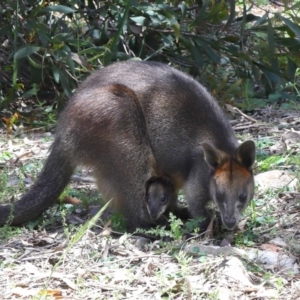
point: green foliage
(193, 225)
(175, 232)
(271, 162)
(49, 46)
(9, 232)
(159, 231)
(176, 228)
(118, 222)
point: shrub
(48, 47)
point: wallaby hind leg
(127, 196)
(117, 147)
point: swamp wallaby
(161, 198)
(191, 138)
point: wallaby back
(95, 129)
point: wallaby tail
(44, 193)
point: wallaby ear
(211, 155)
(245, 154)
(167, 180)
(149, 181)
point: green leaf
(138, 20)
(71, 65)
(231, 38)
(261, 20)
(222, 84)
(234, 86)
(292, 26)
(26, 51)
(58, 8)
(292, 67)
(202, 15)
(60, 38)
(272, 70)
(183, 9)
(197, 56)
(64, 83)
(211, 53)
(255, 72)
(268, 72)
(34, 63)
(176, 28)
(55, 73)
(295, 6)
(32, 92)
(93, 50)
(168, 40)
(122, 56)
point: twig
(87, 179)
(244, 115)
(276, 3)
(247, 126)
(192, 238)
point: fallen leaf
(270, 247)
(54, 293)
(71, 200)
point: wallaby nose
(154, 216)
(229, 222)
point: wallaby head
(231, 183)
(160, 195)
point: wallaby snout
(230, 222)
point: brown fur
(95, 129)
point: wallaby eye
(243, 197)
(163, 199)
(148, 199)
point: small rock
(275, 179)
(224, 294)
(46, 134)
(234, 269)
(142, 242)
(278, 242)
(277, 261)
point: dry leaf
(270, 247)
(71, 200)
(54, 293)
